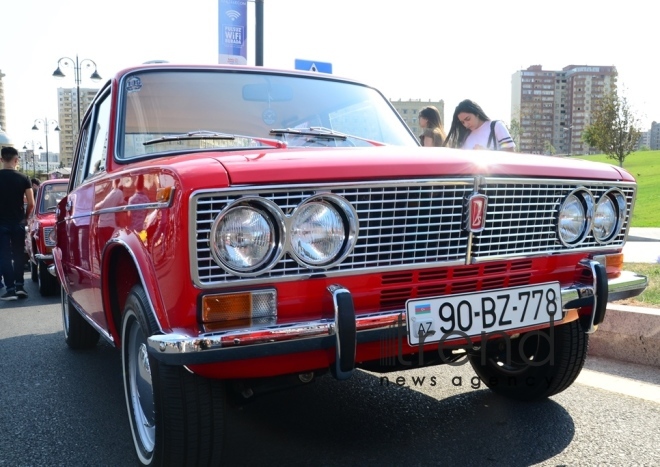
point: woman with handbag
(472, 129)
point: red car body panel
(385, 163)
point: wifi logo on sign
(233, 14)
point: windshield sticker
(133, 84)
(269, 116)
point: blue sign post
(311, 65)
(232, 31)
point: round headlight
(243, 238)
(574, 217)
(605, 219)
(609, 216)
(317, 233)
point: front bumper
(346, 330)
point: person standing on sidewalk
(14, 189)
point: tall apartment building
(554, 107)
(644, 140)
(3, 115)
(654, 136)
(410, 109)
(67, 101)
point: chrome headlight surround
(228, 245)
(609, 215)
(345, 224)
(575, 216)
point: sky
(417, 49)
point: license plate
(469, 314)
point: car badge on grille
(476, 213)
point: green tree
(514, 131)
(549, 149)
(615, 128)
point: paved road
(64, 408)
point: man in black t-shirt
(14, 189)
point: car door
(77, 252)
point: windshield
(52, 194)
(162, 107)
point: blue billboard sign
(232, 32)
(312, 65)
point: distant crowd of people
(470, 129)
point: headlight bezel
(587, 203)
(349, 219)
(618, 200)
(274, 218)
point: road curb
(629, 334)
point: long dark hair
(434, 122)
(458, 133)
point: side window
(81, 157)
(100, 132)
(87, 163)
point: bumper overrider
(346, 330)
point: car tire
(176, 417)
(78, 333)
(34, 271)
(541, 363)
(47, 282)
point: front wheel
(176, 417)
(34, 271)
(534, 366)
(47, 282)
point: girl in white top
(472, 129)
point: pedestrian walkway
(644, 234)
(643, 245)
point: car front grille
(412, 224)
(522, 218)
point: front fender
(123, 253)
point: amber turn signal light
(240, 308)
(613, 264)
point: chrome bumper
(237, 344)
(42, 257)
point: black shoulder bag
(492, 138)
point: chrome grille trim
(412, 224)
(428, 234)
(520, 219)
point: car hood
(346, 164)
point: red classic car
(40, 238)
(234, 230)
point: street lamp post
(46, 124)
(67, 62)
(34, 147)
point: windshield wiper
(212, 135)
(193, 135)
(311, 131)
(321, 132)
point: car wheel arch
(120, 271)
